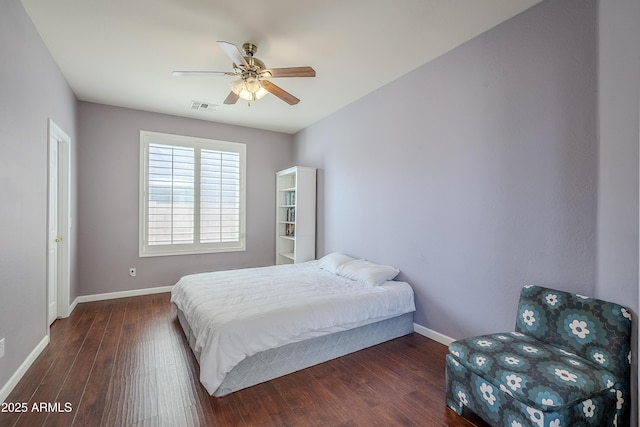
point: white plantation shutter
(171, 195)
(219, 196)
(192, 195)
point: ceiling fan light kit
(249, 90)
(252, 72)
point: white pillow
(332, 261)
(367, 272)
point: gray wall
(476, 173)
(108, 173)
(32, 90)
(619, 135)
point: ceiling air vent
(203, 106)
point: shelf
(295, 195)
(288, 255)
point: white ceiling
(122, 52)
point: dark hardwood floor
(126, 363)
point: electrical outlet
(1, 348)
(132, 272)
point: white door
(59, 225)
(53, 237)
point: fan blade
(233, 52)
(290, 72)
(202, 73)
(232, 98)
(279, 92)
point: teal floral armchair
(567, 364)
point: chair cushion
(535, 373)
(593, 329)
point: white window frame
(146, 250)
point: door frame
(55, 133)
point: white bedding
(237, 313)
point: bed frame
(276, 362)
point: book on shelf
(290, 198)
(290, 230)
(291, 215)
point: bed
(251, 325)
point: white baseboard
(73, 306)
(17, 376)
(429, 333)
(122, 294)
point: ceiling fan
(252, 83)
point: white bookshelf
(295, 215)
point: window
(191, 195)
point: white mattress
(237, 313)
